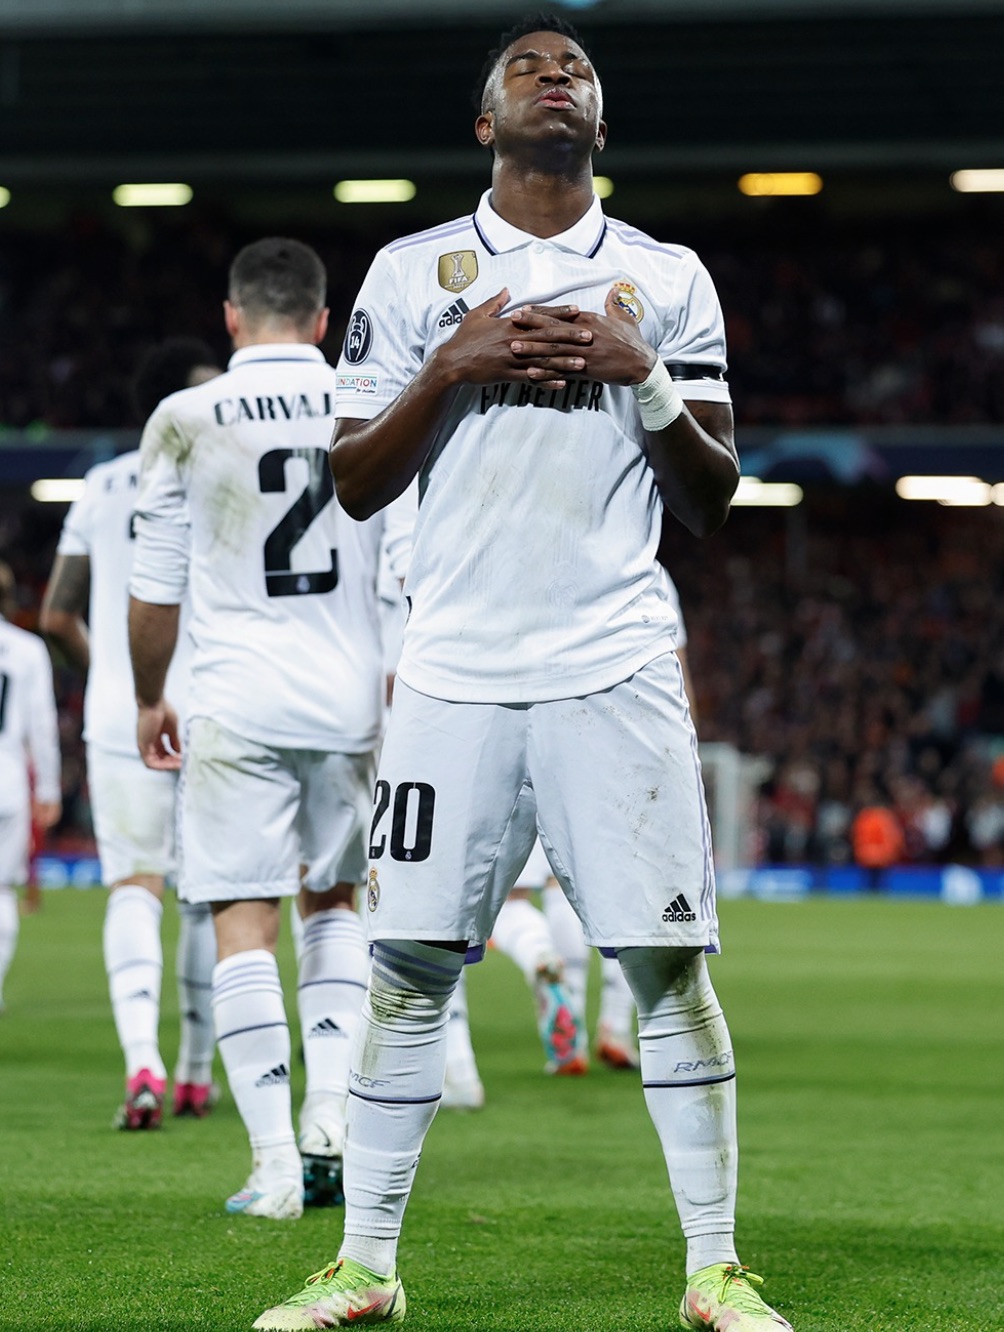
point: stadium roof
(201, 89)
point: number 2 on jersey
(280, 578)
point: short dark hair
(280, 278)
(165, 369)
(529, 23)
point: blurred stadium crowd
(855, 645)
(879, 324)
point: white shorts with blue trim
(612, 781)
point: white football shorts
(252, 814)
(132, 808)
(612, 781)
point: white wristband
(659, 399)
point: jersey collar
(499, 236)
(276, 351)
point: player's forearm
(68, 633)
(61, 617)
(373, 462)
(153, 633)
(696, 466)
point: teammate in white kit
(236, 507)
(522, 362)
(29, 760)
(133, 806)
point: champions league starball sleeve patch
(358, 337)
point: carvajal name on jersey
(582, 395)
(272, 407)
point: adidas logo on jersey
(451, 317)
(274, 1077)
(679, 911)
(326, 1027)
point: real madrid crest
(626, 299)
(457, 270)
(373, 891)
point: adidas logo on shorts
(274, 1076)
(679, 911)
(453, 316)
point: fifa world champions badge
(626, 298)
(372, 891)
(457, 270)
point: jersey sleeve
(382, 352)
(161, 555)
(693, 343)
(43, 730)
(78, 526)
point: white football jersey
(236, 503)
(100, 525)
(29, 733)
(533, 573)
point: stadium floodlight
(603, 187)
(152, 194)
(4, 196)
(773, 494)
(57, 489)
(772, 184)
(958, 491)
(375, 191)
(989, 180)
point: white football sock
(296, 928)
(461, 1065)
(333, 967)
(616, 1000)
(134, 961)
(391, 1105)
(10, 926)
(688, 1074)
(566, 931)
(253, 1038)
(194, 964)
(522, 933)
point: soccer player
(133, 807)
(580, 394)
(29, 760)
(236, 506)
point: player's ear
(321, 327)
(601, 136)
(484, 129)
(231, 318)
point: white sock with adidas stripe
(134, 962)
(688, 1074)
(334, 964)
(253, 1039)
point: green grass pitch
(871, 1104)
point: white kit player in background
(556, 379)
(84, 613)
(30, 768)
(236, 508)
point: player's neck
(539, 203)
